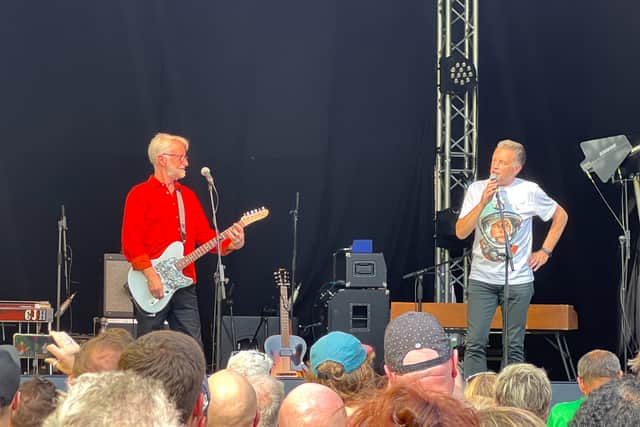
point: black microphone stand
(508, 262)
(62, 259)
(419, 274)
(219, 291)
(294, 287)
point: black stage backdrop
(334, 100)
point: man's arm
(132, 246)
(558, 223)
(466, 224)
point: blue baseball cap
(338, 347)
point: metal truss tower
(456, 123)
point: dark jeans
(483, 299)
(181, 313)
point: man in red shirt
(151, 222)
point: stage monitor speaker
(246, 329)
(363, 313)
(116, 302)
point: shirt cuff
(141, 262)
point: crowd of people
(160, 379)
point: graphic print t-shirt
(522, 201)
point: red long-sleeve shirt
(151, 222)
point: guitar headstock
(281, 277)
(254, 215)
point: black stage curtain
(334, 100)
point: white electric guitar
(169, 266)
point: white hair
(120, 398)
(161, 142)
(250, 362)
(270, 394)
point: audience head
(270, 393)
(250, 362)
(409, 405)
(102, 352)
(525, 386)
(596, 368)
(416, 348)
(506, 416)
(119, 398)
(38, 399)
(233, 400)
(480, 391)
(616, 403)
(176, 360)
(340, 361)
(9, 382)
(312, 404)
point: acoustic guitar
(286, 350)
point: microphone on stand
(65, 305)
(206, 172)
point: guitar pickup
(286, 352)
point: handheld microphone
(65, 305)
(206, 172)
(493, 177)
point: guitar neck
(201, 250)
(284, 316)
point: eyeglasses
(181, 157)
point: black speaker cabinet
(363, 313)
(116, 302)
(246, 329)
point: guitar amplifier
(100, 324)
(250, 332)
(116, 299)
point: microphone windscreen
(205, 171)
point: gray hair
(598, 364)
(115, 399)
(250, 362)
(616, 403)
(270, 394)
(525, 386)
(516, 147)
(161, 142)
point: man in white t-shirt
(521, 201)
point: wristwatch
(546, 251)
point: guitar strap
(183, 229)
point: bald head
(233, 401)
(312, 404)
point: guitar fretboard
(284, 315)
(203, 249)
